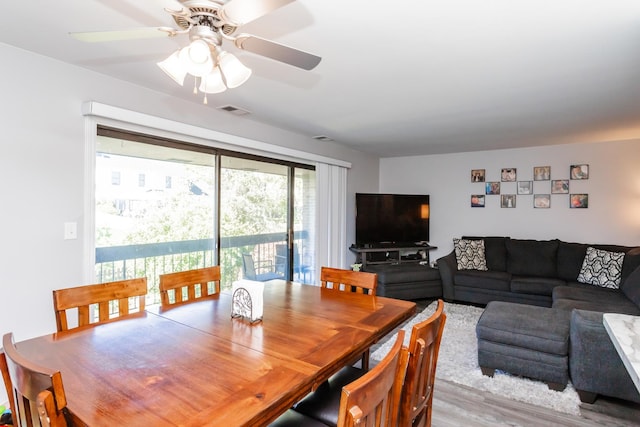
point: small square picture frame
(525, 187)
(559, 186)
(542, 201)
(541, 173)
(508, 174)
(579, 171)
(477, 175)
(508, 201)
(492, 187)
(477, 200)
(579, 201)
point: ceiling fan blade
(277, 51)
(239, 12)
(132, 34)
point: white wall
(613, 215)
(42, 173)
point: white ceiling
(397, 78)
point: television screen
(391, 219)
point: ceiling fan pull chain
(195, 85)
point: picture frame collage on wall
(541, 199)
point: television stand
(391, 254)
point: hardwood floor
(457, 405)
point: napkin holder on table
(248, 300)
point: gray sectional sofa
(545, 273)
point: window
(195, 206)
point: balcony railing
(153, 259)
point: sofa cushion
(570, 259)
(402, 273)
(535, 285)
(631, 263)
(571, 256)
(601, 268)
(495, 280)
(631, 287)
(532, 257)
(470, 254)
(588, 297)
(541, 329)
(495, 252)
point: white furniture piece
(624, 330)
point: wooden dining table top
(195, 365)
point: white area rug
(458, 362)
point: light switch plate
(70, 230)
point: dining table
(193, 364)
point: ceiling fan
(208, 23)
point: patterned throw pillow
(470, 254)
(601, 268)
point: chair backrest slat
(36, 393)
(417, 393)
(172, 285)
(348, 280)
(102, 295)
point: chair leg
(365, 360)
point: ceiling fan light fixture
(174, 68)
(196, 58)
(212, 82)
(233, 71)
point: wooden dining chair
(374, 398)
(371, 399)
(350, 281)
(188, 286)
(4, 370)
(95, 304)
(417, 393)
(36, 393)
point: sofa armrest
(594, 363)
(448, 266)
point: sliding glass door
(154, 210)
(267, 217)
(253, 219)
(164, 206)
(303, 248)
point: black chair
(292, 418)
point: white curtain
(332, 216)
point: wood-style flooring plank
(457, 405)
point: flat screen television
(391, 219)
